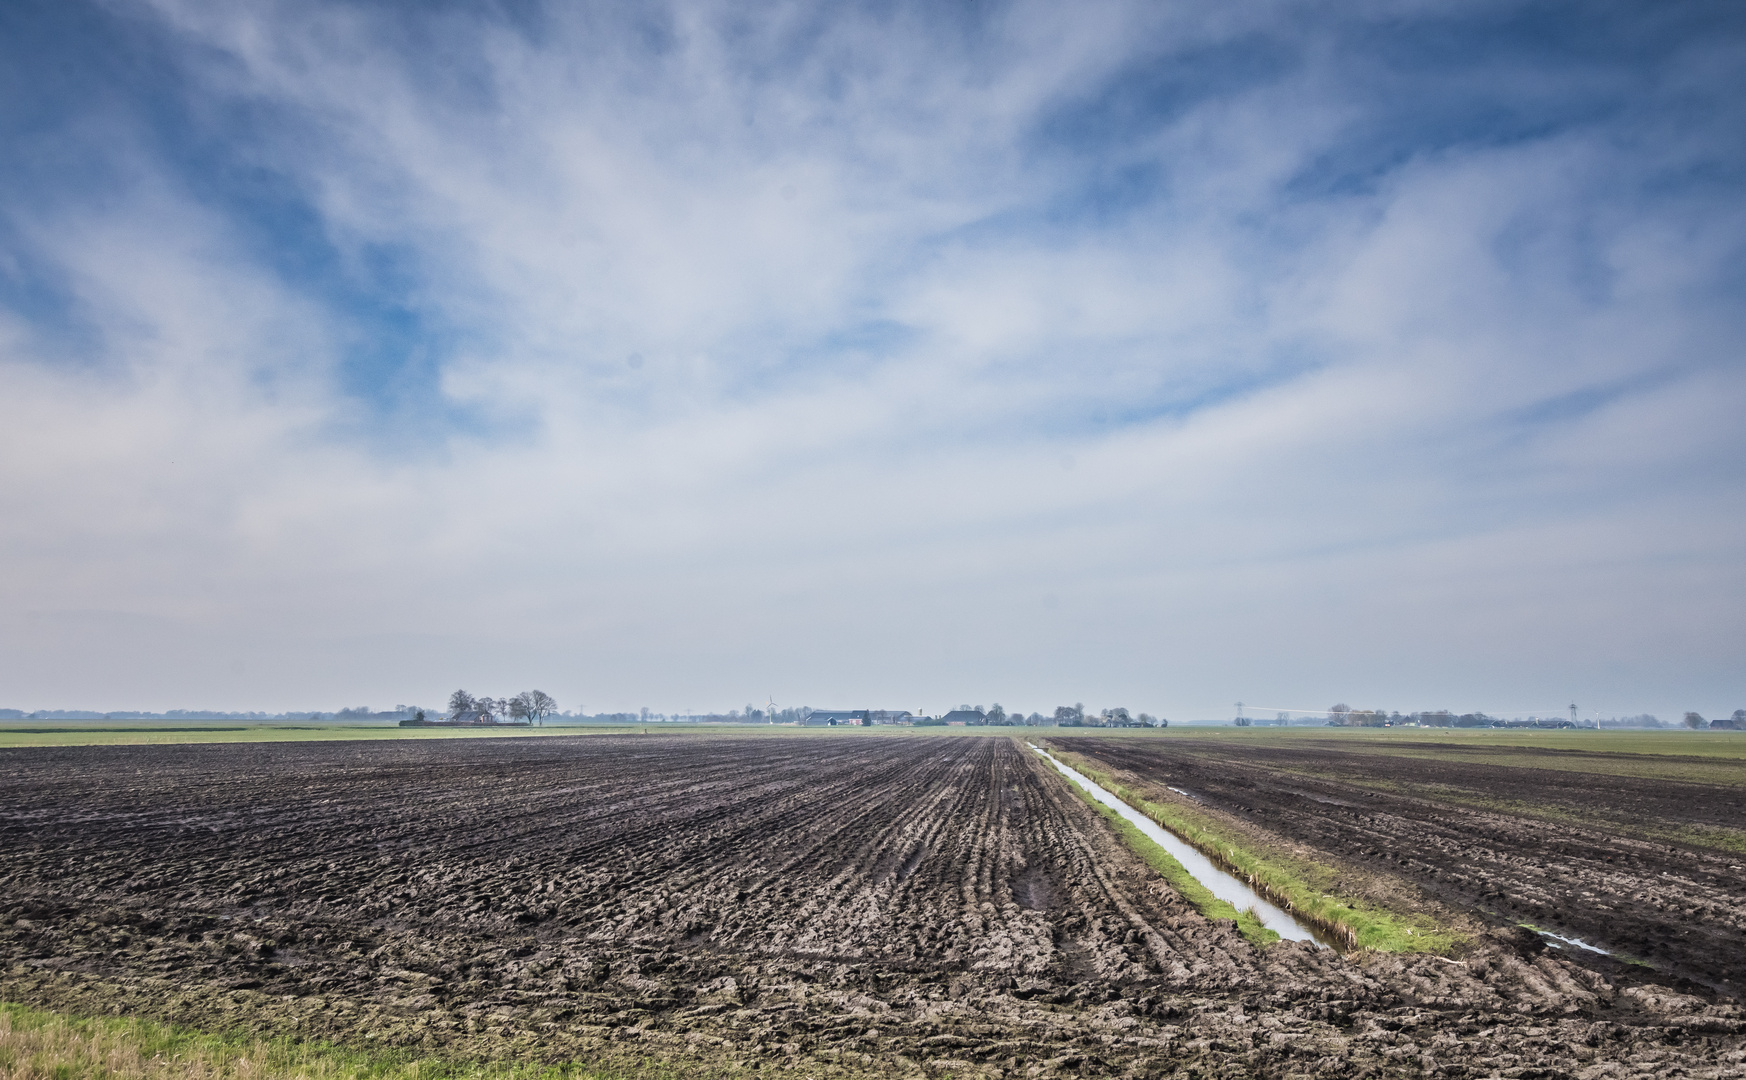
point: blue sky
(682, 355)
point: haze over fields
(894, 355)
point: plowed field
(1646, 867)
(834, 906)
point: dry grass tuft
(38, 1045)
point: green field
(1716, 756)
(99, 733)
(25, 733)
(1725, 744)
(37, 1044)
(1713, 757)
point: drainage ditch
(1230, 889)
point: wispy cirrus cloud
(676, 356)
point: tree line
(1074, 715)
(994, 715)
(532, 706)
(1345, 716)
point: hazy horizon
(1260, 718)
(1162, 354)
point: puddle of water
(1220, 884)
(1579, 943)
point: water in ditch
(1578, 942)
(1220, 884)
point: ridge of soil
(1616, 861)
(835, 907)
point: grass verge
(36, 1044)
(1177, 875)
(1305, 889)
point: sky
(897, 355)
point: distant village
(534, 707)
(964, 716)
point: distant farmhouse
(837, 718)
(855, 717)
(467, 711)
(965, 718)
(464, 718)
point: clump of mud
(834, 906)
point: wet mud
(1626, 863)
(820, 906)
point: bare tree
(461, 702)
(540, 705)
(1695, 721)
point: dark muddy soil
(830, 906)
(1615, 861)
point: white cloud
(908, 420)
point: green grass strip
(37, 1043)
(1173, 872)
(1302, 888)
